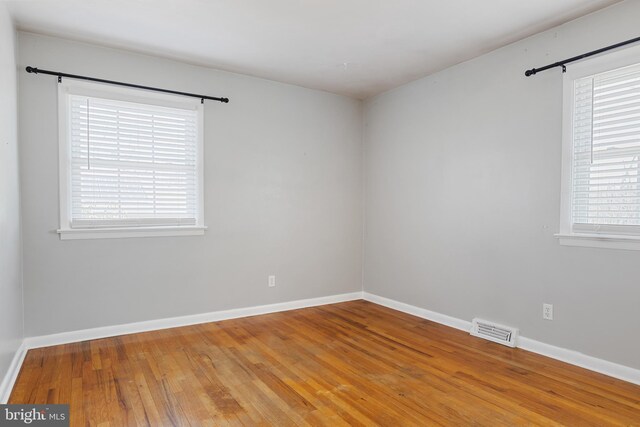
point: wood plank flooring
(353, 363)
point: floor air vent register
(501, 334)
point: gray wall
(283, 188)
(11, 327)
(463, 198)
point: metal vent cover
(501, 334)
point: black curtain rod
(562, 64)
(112, 82)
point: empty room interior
(306, 212)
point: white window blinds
(131, 164)
(606, 151)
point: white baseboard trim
(582, 360)
(454, 322)
(173, 322)
(12, 373)
(572, 357)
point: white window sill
(120, 233)
(608, 241)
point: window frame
(99, 90)
(596, 236)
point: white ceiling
(352, 47)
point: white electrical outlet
(547, 311)
(272, 281)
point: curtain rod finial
(530, 72)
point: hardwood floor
(354, 363)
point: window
(130, 163)
(601, 152)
